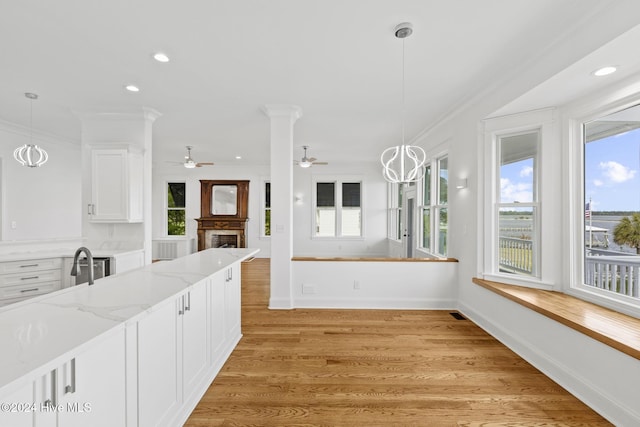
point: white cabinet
(217, 328)
(86, 390)
(172, 355)
(116, 185)
(20, 280)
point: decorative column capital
(282, 110)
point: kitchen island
(136, 349)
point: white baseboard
(375, 303)
(576, 384)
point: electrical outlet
(308, 289)
(356, 285)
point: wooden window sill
(615, 329)
(371, 259)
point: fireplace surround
(223, 214)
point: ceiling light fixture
(403, 163)
(160, 57)
(31, 155)
(132, 88)
(604, 71)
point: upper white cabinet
(116, 185)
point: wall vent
(166, 249)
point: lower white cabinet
(86, 390)
(232, 304)
(172, 355)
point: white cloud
(515, 191)
(526, 171)
(616, 172)
(598, 183)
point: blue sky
(612, 175)
(612, 172)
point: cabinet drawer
(29, 290)
(30, 265)
(30, 277)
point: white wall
(45, 202)
(604, 378)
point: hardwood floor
(375, 368)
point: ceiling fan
(189, 163)
(306, 162)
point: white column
(282, 117)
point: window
(394, 211)
(176, 208)
(338, 208)
(266, 209)
(522, 173)
(433, 208)
(611, 226)
(516, 205)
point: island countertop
(36, 333)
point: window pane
(442, 231)
(325, 194)
(267, 194)
(443, 186)
(175, 196)
(516, 240)
(351, 221)
(267, 222)
(426, 228)
(517, 168)
(351, 194)
(427, 186)
(175, 223)
(325, 222)
(612, 203)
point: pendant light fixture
(31, 155)
(403, 163)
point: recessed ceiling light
(604, 71)
(160, 57)
(238, 157)
(132, 88)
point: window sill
(614, 329)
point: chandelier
(403, 163)
(31, 155)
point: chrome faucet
(75, 268)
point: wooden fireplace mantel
(227, 224)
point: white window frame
(575, 116)
(166, 209)
(434, 207)
(548, 203)
(338, 180)
(394, 212)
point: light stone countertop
(38, 333)
(63, 253)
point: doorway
(408, 236)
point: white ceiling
(336, 59)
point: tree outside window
(176, 192)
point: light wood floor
(375, 368)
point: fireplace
(223, 210)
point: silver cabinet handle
(30, 278)
(181, 309)
(29, 265)
(188, 306)
(22, 291)
(71, 388)
(53, 390)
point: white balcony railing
(516, 255)
(620, 274)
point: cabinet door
(92, 386)
(217, 327)
(232, 302)
(159, 395)
(20, 411)
(195, 355)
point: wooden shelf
(610, 327)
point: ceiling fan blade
(311, 159)
(204, 164)
(320, 163)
